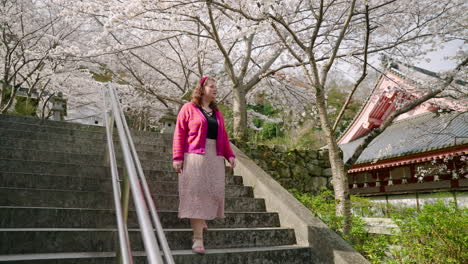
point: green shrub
(436, 234)
(25, 106)
(322, 205)
(270, 130)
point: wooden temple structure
(422, 154)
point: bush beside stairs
(56, 202)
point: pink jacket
(190, 134)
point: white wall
(411, 200)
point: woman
(199, 145)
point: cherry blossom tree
(35, 51)
(318, 35)
(203, 40)
(138, 44)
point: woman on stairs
(200, 145)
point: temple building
(422, 155)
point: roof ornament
(388, 62)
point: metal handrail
(124, 243)
(149, 200)
(142, 201)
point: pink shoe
(198, 249)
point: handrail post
(111, 127)
(124, 198)
(125, 187)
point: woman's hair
(198, 93)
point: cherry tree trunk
(239, 109)
(339, 175)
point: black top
(212, 124)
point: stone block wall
(304, 170)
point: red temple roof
(393, 89)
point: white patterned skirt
(202, 185)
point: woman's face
(210, 90)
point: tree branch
(337, 44)
(363, 75)
(227, 60)
(248, 54)
(258, 75)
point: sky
(438, 61)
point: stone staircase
(56, 202)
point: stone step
(290, 254)
(19, 197)
(20, 217)
(60, 132)
(66, 125)
(79, 159)
(105, 185)
(76, 136)
(52, 123)
(77, 170)
(46, 181)
(54, 240)
(83, 147)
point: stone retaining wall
(304, 170)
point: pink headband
(202, 81)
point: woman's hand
(232, 162)
(178, 165)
